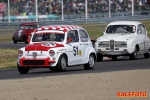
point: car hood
(116, 37)
(42, 46)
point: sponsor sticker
(80, 52)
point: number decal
(75, 49)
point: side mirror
(69, 40)
(29, 39)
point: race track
(100, 67)
(12, 45)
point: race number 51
(75, 49)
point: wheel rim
(135, 52)
(91, 61)
(63, 63)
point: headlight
(51, 53)
(101, 44)
(124, 44)
(20, 53)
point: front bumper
(35, 62)
(112, 53)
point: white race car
(123, 38)
(57, 47)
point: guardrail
(82, 20)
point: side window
(21, 27)
(139, 31)
(143, 29)
(83, 36)
(74, 35)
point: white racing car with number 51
(57, 47)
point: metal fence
(48, 10)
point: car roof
(64, 28)
(29, 23)
(124, 23)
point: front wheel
(133, 56)
(23, 70)
(15, 41)
(62, 63)
(114, 58)
(91, 62)
(25, 40)
(53, 69)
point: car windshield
(53, 37)
(30, 26)
(120, 29)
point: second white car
(123, 38)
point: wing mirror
(69, 40)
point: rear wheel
(147, 55)
(91, 62)
(62, 63)
(99, 57)
(15, 41)
(23, 70)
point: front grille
(105, 43)
(118, 43)
(33, 62)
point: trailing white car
(123, 38)
(57, 47)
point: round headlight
(100, 43)
(51, 53)
(124, 44)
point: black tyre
(147, 55)
(15, 41)
(25, 40)
(114, 58)
(99, 57)
(133, 56)
(62, 63)
(91, 63)
(53, 69)
(23, 70)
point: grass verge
(8, 58)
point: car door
(73, 48)
(84, 43)
(19, 34)
(146, 39)
(141, 38)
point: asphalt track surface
(123, 63)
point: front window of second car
(113, 29)
(47, 36)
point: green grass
(8, 58)
(6, 35)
